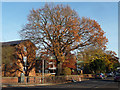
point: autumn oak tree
(59, 30)
(70, 61)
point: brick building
(18, 57)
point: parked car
(111, 74)
(117, 77)
(100, 76)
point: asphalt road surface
(92, 84)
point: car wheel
(115, 80)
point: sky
(14, 17)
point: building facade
(18, 57)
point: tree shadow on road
(106, 80)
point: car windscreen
(118, 74)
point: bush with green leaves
(98, 66)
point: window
(51, 65)
(46, 71)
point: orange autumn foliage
(59, 30)
(70, 62)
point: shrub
(67, 71)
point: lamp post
(43, 71)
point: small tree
(67, 71)
(26, 50)
(98, 66)
(90, 54)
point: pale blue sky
(14, 16)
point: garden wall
(48, 79)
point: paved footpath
(26, 85)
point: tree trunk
(27, 72)
(59, 68)
(5, 70)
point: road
(93, 84)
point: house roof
(12, 43)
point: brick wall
(48, 79)
(9, 79)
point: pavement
(25, 85)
